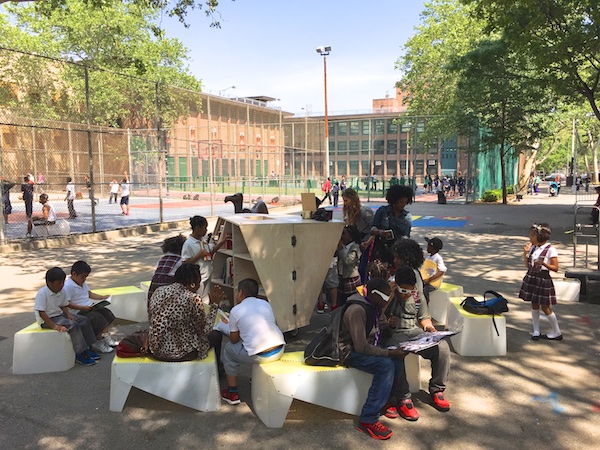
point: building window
(378, 146)
(405, 127)
(331, 147)
(403, 145)
(353, 169)
(379, 126)
(342, 147)
(364, 145)
(392, 146)
(354, 128)
(366, 127)
(354, 146)
(331, 127)
(342, 128)
(341, 168)
(392, 126)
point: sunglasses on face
(406, 291)
(384, 297)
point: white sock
(554, 323)
(535, 319)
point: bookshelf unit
(287, 255)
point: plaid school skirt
(349, 285)
(538, 288)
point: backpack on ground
(324, 350)
(134, 345)
(497, 304)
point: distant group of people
(48, 216)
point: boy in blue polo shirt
(51, 312)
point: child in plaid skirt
(540, 257)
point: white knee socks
(554, 323)
(535, 319)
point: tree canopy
(118, 45)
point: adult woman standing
(180, 328)
(392, 222)
(164, 274)
(362, 218)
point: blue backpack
(497, 304)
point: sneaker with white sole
(84, 360)
(108, 340)
(101, 347)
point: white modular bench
(567, 289)
(478, 336)
(439, 301)
(60, 228)
(194, 384)
(276, 384)
(127, 302)
(145, 286)
(41, 350)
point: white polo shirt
(49, 302)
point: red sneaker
(320, 309)
(376, 430)
(390, 411)
(233, 398)
(439, 401)
(407, 410)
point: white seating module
(276, 384)
(194, 384)
(127, 302)
(478, 336)
(41, 350)
(439, 301)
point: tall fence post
(89, 143)
(160, 155)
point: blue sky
(267, 47)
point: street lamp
(324, 52)
(223, 90)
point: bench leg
(270, 406)
(119, 391)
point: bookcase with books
(287, 255)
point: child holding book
(80, 303)
(51, 312)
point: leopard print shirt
(179, 323)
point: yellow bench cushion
(35, 328)
(118, 290)
(210, 358)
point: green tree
(128, 64)
(558, 37)
(175, 8)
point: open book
(424, 340)
(102, 303)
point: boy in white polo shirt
(51, 312)
(254, 336)
(80, 302)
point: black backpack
(495, 305)
(324, 350)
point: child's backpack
(134, 345)
(324, 350)
(495, 305)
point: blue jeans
(384, 372)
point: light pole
(324, 51)
(223, 90)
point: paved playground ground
(541, 395)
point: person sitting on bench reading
(254, 336)
(359, 338)
(408, 316)
(51, 312)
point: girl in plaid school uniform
(540, 257)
